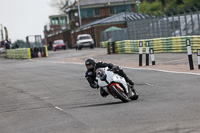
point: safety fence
(26, 53)
(164, 26)
(116, 35)
(159, 45)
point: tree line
(174, 6)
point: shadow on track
(96, 105)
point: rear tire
(119, 94)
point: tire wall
(23, 53)
(159, 45)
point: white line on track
(58, 108)
(151, 69)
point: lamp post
(137, 5)
(124, 6)
(124, 9)
(76, 15)
(79, 12)
(1, 32)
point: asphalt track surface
(51, 95)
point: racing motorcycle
(115, 85)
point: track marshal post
(140, 53)
(147, 53)
(198, 56)
(189, 51)
(152, 56)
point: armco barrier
(159, 45)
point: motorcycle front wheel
(136, 95)
(119, 94)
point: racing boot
(103, 93)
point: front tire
(79, 47)
(119, 94)
(136, 95)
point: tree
(58, 4)
(171, 4)
(179, 2)
(188, 2)
(185, 5)
(163, 3)
(21, 43)
(148, 7)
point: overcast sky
(25, 17)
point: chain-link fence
(157, 27)
(116, 35)
(180, 25)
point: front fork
(130, 93)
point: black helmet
(89, 63)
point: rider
(90, 74)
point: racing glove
(116, 69)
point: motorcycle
(115, 85)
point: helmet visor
(89, 66)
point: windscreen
(58, 42)
(84, 37)
(100, 72)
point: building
(91, 11)
(95, 28)
(58, 24)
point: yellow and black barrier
(103, 44)
(26, 53)
(23, 53)
(159, 45)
